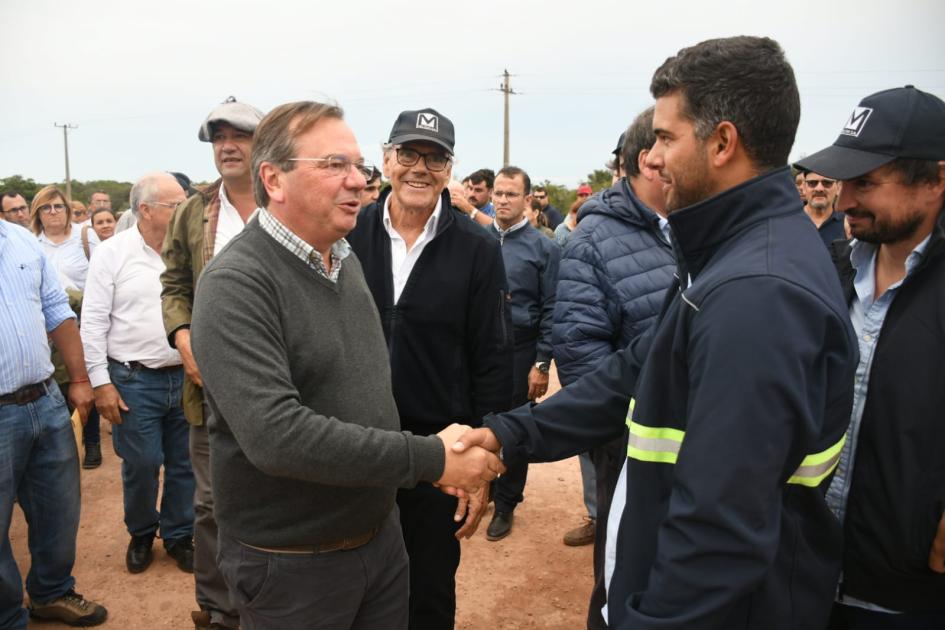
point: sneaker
(583, 535)
(93, 456)
(139, 555)
(71, 609)
(182, 550)
(500, 527)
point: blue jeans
(153, 433)
(589, 484)
(39, 465)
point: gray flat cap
(240, 115)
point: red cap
(584, 189)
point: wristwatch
(542, 366)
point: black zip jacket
(449, 335)
(740, 412)
(897, 496)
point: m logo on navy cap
(857, 121)
(428, 121)
(426, 125)
(904, 123)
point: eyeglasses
(52, 208)
(175, 205)
(511, 196)
(17, 210)
(434, 161)
(339, 165)
(827, 183)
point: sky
(137, 78)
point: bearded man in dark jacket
(743, 390)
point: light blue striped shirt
(32, 303)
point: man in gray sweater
(305, 440)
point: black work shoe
(71, 609)
(139, 556)
(182, 550)
(500, 527)
(93, 456)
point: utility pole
(506, 90)
(65, 141)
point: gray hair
(639, 137)
(147, 188)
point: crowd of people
(335, 366)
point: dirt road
(528, 580)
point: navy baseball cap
(898, 123)
(424, 124)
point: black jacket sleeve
(590, 412)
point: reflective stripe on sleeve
(630, 412)
(654, 444)
(817, 467)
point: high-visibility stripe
(661, 445)
(817, 467)
(630, 411)
(654, 444)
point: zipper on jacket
(505, 331)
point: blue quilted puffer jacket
(614, 272)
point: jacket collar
(447, 212)
(701, 229)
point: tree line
(560, 196)
(81, 191)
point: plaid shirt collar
(305, 252)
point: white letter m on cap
(856, 122)
(428, 121)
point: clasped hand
(467, 472)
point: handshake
(471, 463)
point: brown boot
(583, 535)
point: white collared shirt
(121, 311)
(68, 258)
(403, 260)
(229, 222)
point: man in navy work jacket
(439, 284)
(889, 490)
(743, 401)
(531, 264)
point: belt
(137, 365)
(345, 544)
(24, 395)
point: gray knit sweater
(305, 439)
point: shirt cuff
(98, 375)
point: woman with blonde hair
(51, 221)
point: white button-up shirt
(121, 311)
(229, 222)
(403, 260)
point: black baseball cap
(423, 124)
(619, 143)
(898, 123)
